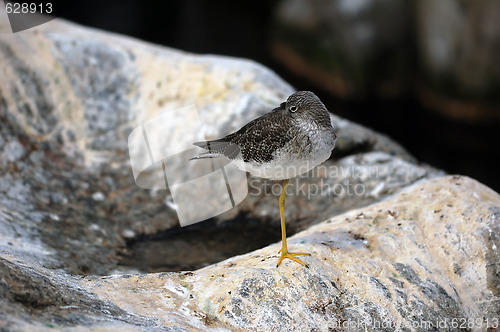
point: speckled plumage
(288, 141)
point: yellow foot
(291, 255)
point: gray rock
(12, 151)
(35, 298)
(97, 89)
(69, 205)
(424, 259)
(382, 268)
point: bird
(288, 141)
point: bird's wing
(257, 140)
(217, 148)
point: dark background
(242, 29)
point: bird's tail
(206, 155)
(217, 148)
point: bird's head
(306, 105)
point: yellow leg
(284, 248)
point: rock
(34, 298)
(66, 116)
(423, 259)
(74, 96)
(69, 205)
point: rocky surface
(69, 206)
(425, 257)
(422, 260)
(74, 97)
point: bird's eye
(293, 108)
